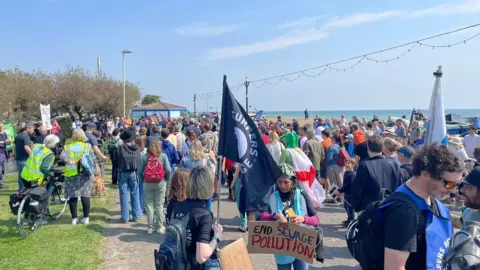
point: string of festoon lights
(357, 60)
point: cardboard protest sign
(235, 256)
(268, 237)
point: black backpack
(172, 254)
(464, 248)
(365, 235)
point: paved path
(128, 246)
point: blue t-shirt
(92, 140)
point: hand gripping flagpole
(217, 189)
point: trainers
(74, 221)
(161, 230)
(243, 229)
(150, 231)
(85, 220)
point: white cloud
(290, 39)
(362, 18)
(454, 8)
(203, 29)
(300, 23)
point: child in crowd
(178, 190)
(346, 191)
(237, 186)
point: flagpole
(217, 189)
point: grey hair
(200, 184)
(310, 133)
(51, 141)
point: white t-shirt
(471, 142)
(302, 141)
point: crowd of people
(168, 169)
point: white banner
(45, 112)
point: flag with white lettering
(240, 141)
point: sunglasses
(448, 184)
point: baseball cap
(286, 170)
(349, 136)
(406, 151)
(473, 178)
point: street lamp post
(123, 65)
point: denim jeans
(350, 212)
(243, 216)
(141, 194)
(20, 165)
(129, 184)
(154, 199)
(211, 264)
(297, 265)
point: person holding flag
(240, 141)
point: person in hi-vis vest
(39, 162)
(77, 185)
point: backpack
(365, 235)
(342, 157)
(112, 146)
(86, 166)
(153, 172)
(464, 248)
(172, 254)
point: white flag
(45, 112)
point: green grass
(57, 245)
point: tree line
(73, 92)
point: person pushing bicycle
(39, 162)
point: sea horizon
(381, 114)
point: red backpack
(153, 172)
(342, 157)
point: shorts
(323, 171)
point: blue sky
(184, 47)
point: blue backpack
(86, 165)
(172, 254)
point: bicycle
(29, 221)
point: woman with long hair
(203, 240)
(78, 185)
(274, 146)
(178, 190)
(143, 151)
(154, 170)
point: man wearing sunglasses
(470, 190)
(436, 172)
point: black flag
(240, 141)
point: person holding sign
(289, 204)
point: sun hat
(456, 141)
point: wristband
(216, 239)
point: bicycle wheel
(27, 223)
(56, 200)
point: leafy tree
(73, 92)
(150, 99)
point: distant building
(160, 109)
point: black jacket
(128, 157)
(407, 170)
(373, 175)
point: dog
(99, 187)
